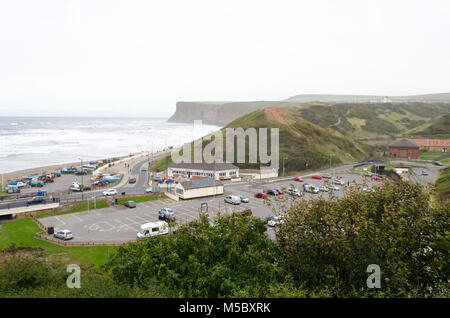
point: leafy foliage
(232, 256)
(330, 243)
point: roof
(200, 183)
(405, 143)
(432, 142)
(205, 166)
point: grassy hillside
(369, 119)
(304, 144)
(438, 127)
(442, 97)
(443, 185)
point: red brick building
(432, 144)
(404, 149)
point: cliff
(217, 113)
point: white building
(198, 188)
(221, 171)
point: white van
(233, 199)
(153, 229)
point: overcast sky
(138, 58)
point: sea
(31, 142)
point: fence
(77, 243)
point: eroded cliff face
(220, 113)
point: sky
(138, 58)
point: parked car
(317, 177)
(267, 218)
(232, 199)
(294, 192)
(368, 189)
(244, 199)
(130, 204)
(326, 176)
(277, 220)
(338, 182)
(424, 173)
(36, 200)
(260, 195)
(166, 214)
(21, 184)
(110, 192)
(273, 192)
(310, 188)
(323, 189)
(375, 178)
(438, 163)
(245, 212)
(132, 180)
(63, 235)
(279, 191)
(299, 179)
(144, 169)
(334, 187)
(153, 229)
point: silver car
(323, 189)
(63, 235)
(244, 199)
(338, 181)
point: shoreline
(8, 176)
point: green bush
(330, 243)
(232, 257)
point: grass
(79, 208)
(430, 155)
(141, 199)
(443, 185)
(21, 233)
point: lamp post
(82, 184)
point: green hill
(362, 120)
(304, 144)
(438, 127)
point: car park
(260, 195)
(299, 179)
(63, 235)
(317, 177)
(244, 199)
(232, 199)
(130, 204)
(153, 229)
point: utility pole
(82, 184)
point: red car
(278, 190)
(298, 179)
(376, 178)
(317, 177)
(260, 195)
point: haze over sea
(31, 142)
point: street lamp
(82, 183)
